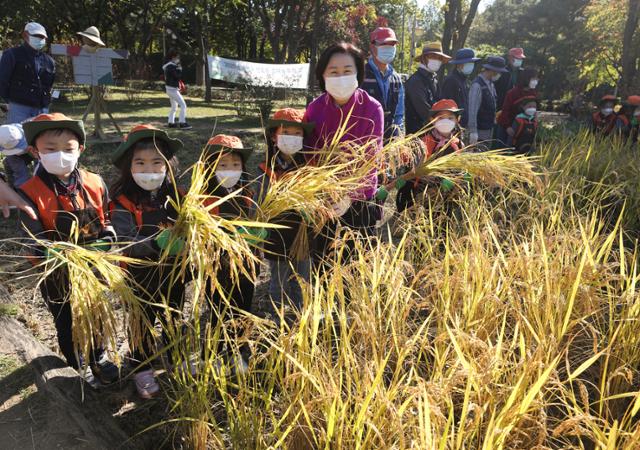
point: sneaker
(105, 371)
(146, 384)
(185, 126)
(172, 125)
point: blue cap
(463, 56)
(496, 63)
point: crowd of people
(363, 101)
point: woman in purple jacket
(344, 106)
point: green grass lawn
(207, 119)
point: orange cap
(227, 141)
(445, 105)
(289, 115)
(634, 100)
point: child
(142, 217)
(441, 140)
(65, 197)
(525, 126)
(605, 121)
(228, 157)
(172, 73)
(285, 132)
(16, 157)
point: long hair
(125, 185)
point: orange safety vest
(133, 208)
(49, 204)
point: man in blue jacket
(383, 83)
(27, 75)
(456, 86)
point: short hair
(345, 48)
(57, 132)
(527, 74)
(172, 54)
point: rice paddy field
(502, 315)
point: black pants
(156, 286)
(55, 291)
(239, 297)
(361, 217)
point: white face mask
(533, 84)
(496, 77)
(149, 181)
(467, 68)
(530, 111)
(433, 65)
(517, 63)
(606, 111)
(228, 178)
(445, 126)
(636, 112)
(386, 53)
(341, 88)
(59, 163)
(288, 144)
(37, 43)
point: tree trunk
(314, 49)
(451, 11)
(629, 52)
(463, 32)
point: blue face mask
(37, 43)
(386, 53)
(467, 68)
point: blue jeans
(19, 113)
(17, 166)
(284, 283)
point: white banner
(294, 76)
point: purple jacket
(366, 124)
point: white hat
(12, 140)
(34, 29)
(93, 35)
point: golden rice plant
(97, 280)
(480, 337)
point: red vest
(91, 195)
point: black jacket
(456, 87)
(172, 74)
(26, 76)
(421, 93)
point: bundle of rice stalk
(312, 190)
(209, 239)
(95, 279)
(493, 168)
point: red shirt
(509, 107)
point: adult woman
(348, 114)
(526, 86)
(172, 74)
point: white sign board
(92, 68)
(293, 76)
